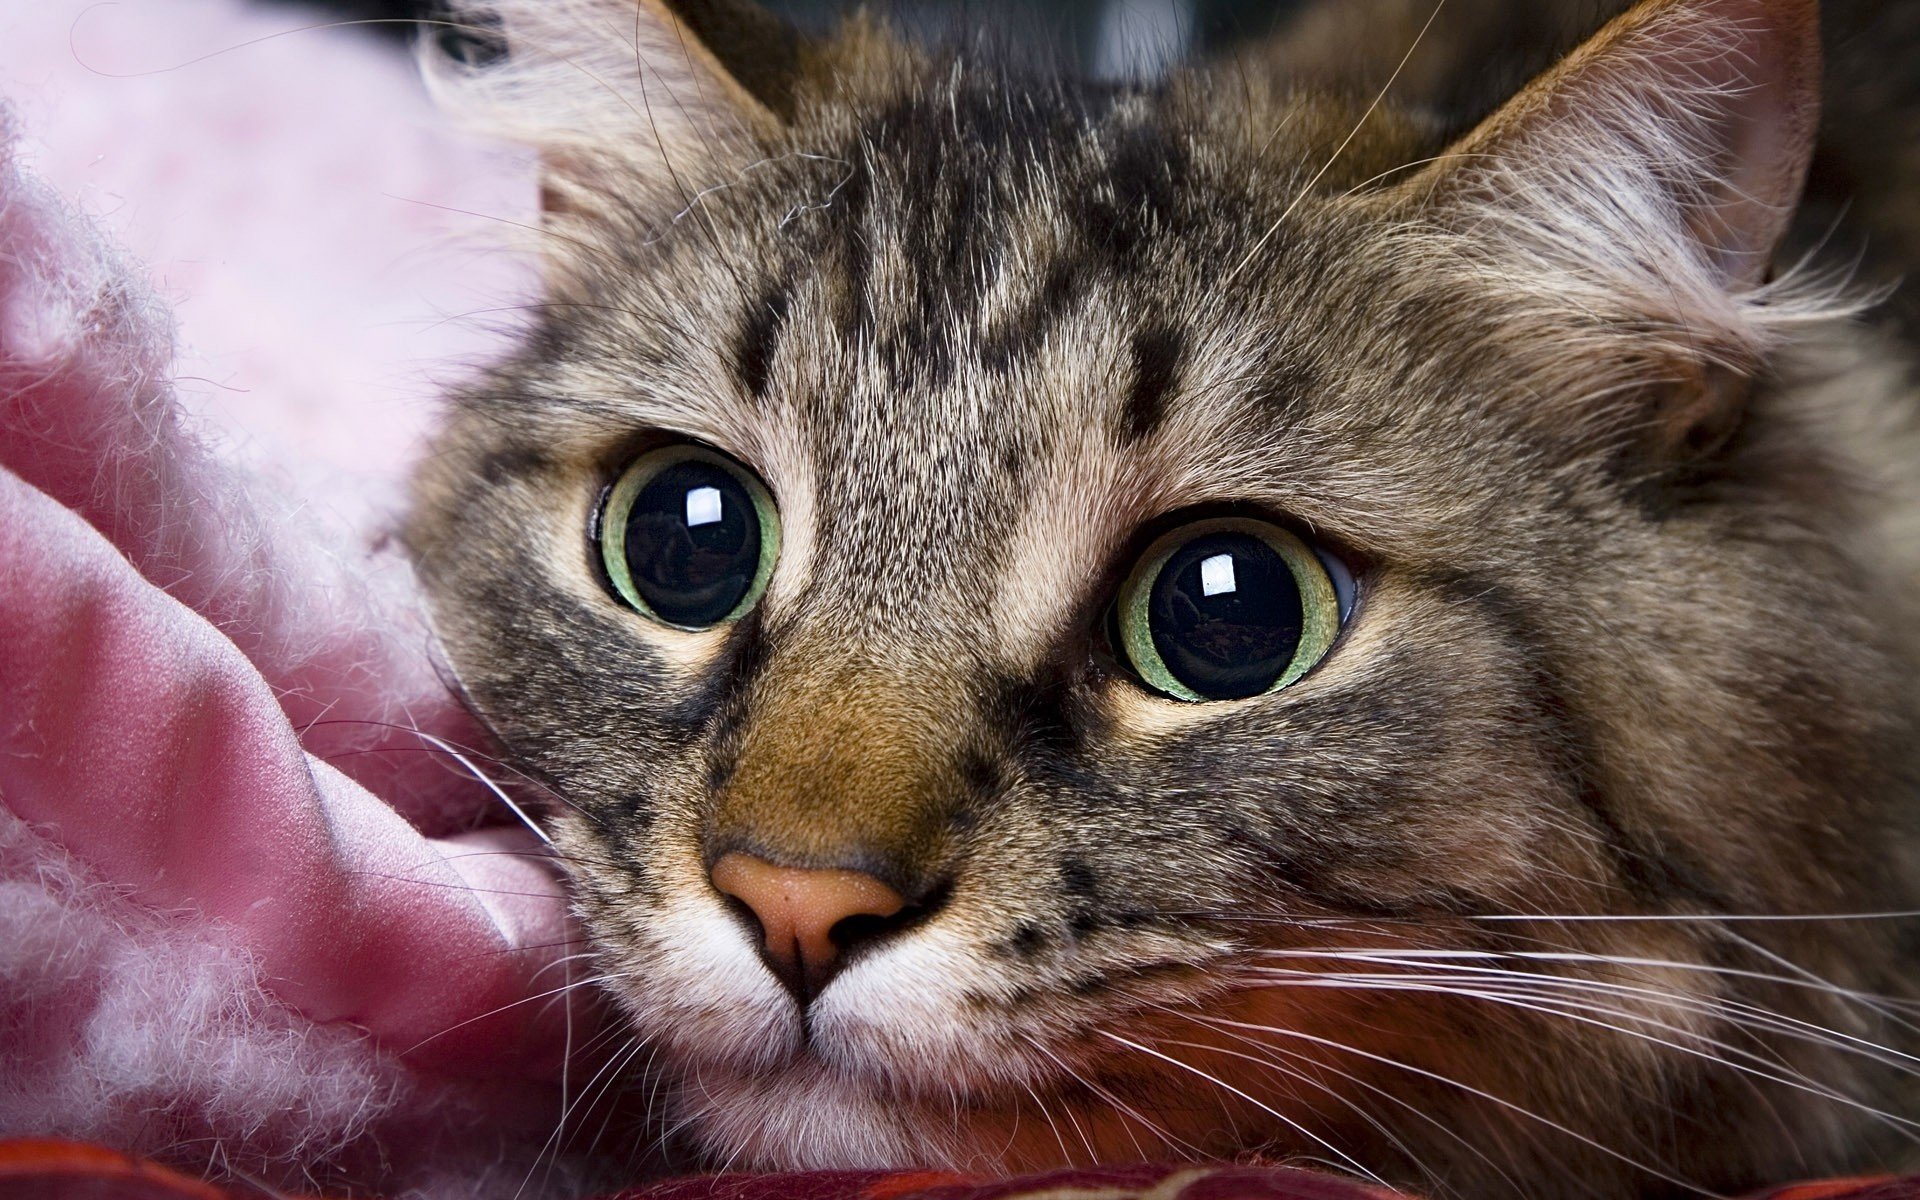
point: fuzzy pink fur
(249, 916)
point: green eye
(688, 537)
(1227, 608)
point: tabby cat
(1252, 613)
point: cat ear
(1626, 207)
(1693, 118)
(602, 87)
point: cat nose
(807, 916)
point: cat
(1247, 614)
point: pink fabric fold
(152, 750)
(133, 725)
(246, 898)
(88, 415)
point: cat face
(949, 374)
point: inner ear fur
(1638, 190)
(1709, 106)
(1690, 417)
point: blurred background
(1102, 37)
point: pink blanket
(257, 910)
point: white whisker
(512, 1004)
(1344, 1157)
(1491, 1098)
(1298, 1076)
(1338, 150)
(1066, 1155)
(1119, 1106)
(1583, 1013)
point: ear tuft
(599, 85)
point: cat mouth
(1051, 1106)
(928, 1051)
(915, 1025)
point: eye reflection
(703, 506)
(1216, 575)
(1226, 615)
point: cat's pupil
(693, 543)
(1226, 615)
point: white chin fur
(908, 1021)
(891, 1050)
(806, 1118)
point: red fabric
(1159, 1182)
(52, 1170)
(1862, 1187)
(43, 1169)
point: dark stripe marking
(512, 462)
(1021, 335)
(855, 254)
(1156, 355)
(1140, 200)
(760, 338)
(1077, 877)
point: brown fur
(1634, 659)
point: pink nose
(798, 908)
